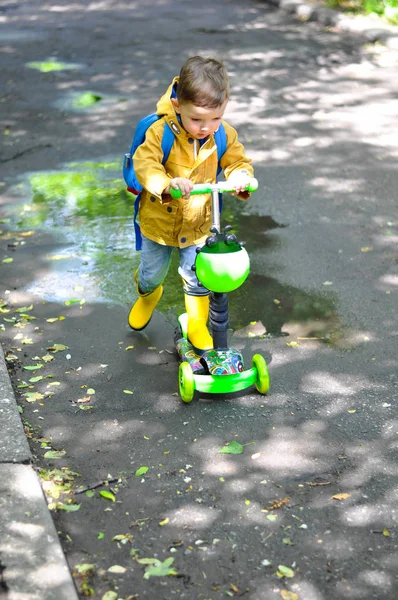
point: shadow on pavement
(309, 506)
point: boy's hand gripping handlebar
(220, 187)
(215, 189)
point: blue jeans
(155, 264)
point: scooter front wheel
(186, 382)
(262, 379)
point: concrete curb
(362, 25)
(32, 563)
(14, 447)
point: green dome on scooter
(222, 268)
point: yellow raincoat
(181, 222)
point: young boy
(193, 108)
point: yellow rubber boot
(141, 312)
(197, 308)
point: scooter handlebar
(208, 188)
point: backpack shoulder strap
(167, 142)
(140, 130)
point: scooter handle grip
(221, 187)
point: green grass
(383, 8)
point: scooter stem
(215, 211)
(219, 319)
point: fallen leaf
(164, 522)
(156, 568)
(386, 533)
(85, 568)
(341, 496)
(117, 569)
(110, 596)
(122, 537)
(47, 357)
(129, 347)
(292, 344)
(366, 249)
(141, 471)
(32, 367)
(128, 392)
(83, 400)
(285, 571)
(33, 396)
(232, 448)
(24, 309)
(278, 503)
(288, 541)
(68, 507)
(55, 454)
(287, 595)
(57, 348)
(108, 495)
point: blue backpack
(133, 185)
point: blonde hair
(203, 82)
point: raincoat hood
(164, 106)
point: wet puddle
(87, 209)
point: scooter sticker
(224, 362)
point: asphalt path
(308, 509)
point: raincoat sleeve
(235, 159)
(148, 163)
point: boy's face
(199, 121)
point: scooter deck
(224, 361)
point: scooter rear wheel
(186, 382)
(262, 379)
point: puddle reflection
(87, 205)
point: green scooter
(221, 265)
